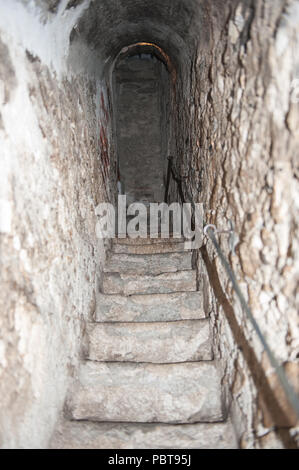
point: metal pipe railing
(289, 391)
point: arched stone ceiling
(108, 25)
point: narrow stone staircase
(149, 379)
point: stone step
(89, 435)
(148, 264)
(162, 247)
(128, 284)
(169, 393)
(148, 240)
(149, 308)
(158, 342)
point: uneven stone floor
(148, 378)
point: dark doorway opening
(142, 119)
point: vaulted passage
(142, 90)
(142, 343)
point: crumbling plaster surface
(55, 145)
(239, 143)
(36, 26)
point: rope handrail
(289, 390)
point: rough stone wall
(238, 142)
(54, 169)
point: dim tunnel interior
(144, 51)
(95, 96)
(141, 90)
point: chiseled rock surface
(149, 308)
(162, 247)
(158, 342)
(127, 284)
(151, 263)
(168, 393)
(89, 435)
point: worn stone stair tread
(148, 264)
(127, 392)
(163, 247)
(147, 240)
(91, 435)
(149, 307)
(158, 342)
(128, 284)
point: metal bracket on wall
(233, 237)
